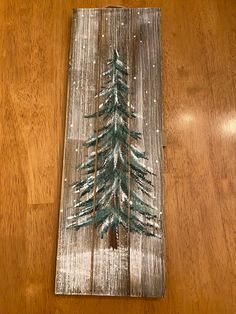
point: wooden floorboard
(199, 96)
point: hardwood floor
(199, 96)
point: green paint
(112, 179)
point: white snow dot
(106, 19)
(74, 201)
(94, 62)
(141, 41)
(134, 36)
(83, 47)
(61, 210)
(76, 149)
(146, 123)
(82, 15)
(71, 125)
(156, 161)
(154, 100)
(134, 77)
(65, 179)
(146, 91)
(138, 12)
(103, 35)
(153, 65)
(131, 202)
(149, 22)
(122, 24)
(90, 124)
(157, 131)
(74, 82)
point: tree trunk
(112, 238)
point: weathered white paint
(135, 33)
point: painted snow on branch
(108, 194)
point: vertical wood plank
(86, 264)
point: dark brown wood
(112, 236)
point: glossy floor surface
(199, 101)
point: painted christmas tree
(109, 194)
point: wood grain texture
(198, 45)
(86, 264)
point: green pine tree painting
(113, 173)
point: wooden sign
(110, 238)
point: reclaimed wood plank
(86, 264)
